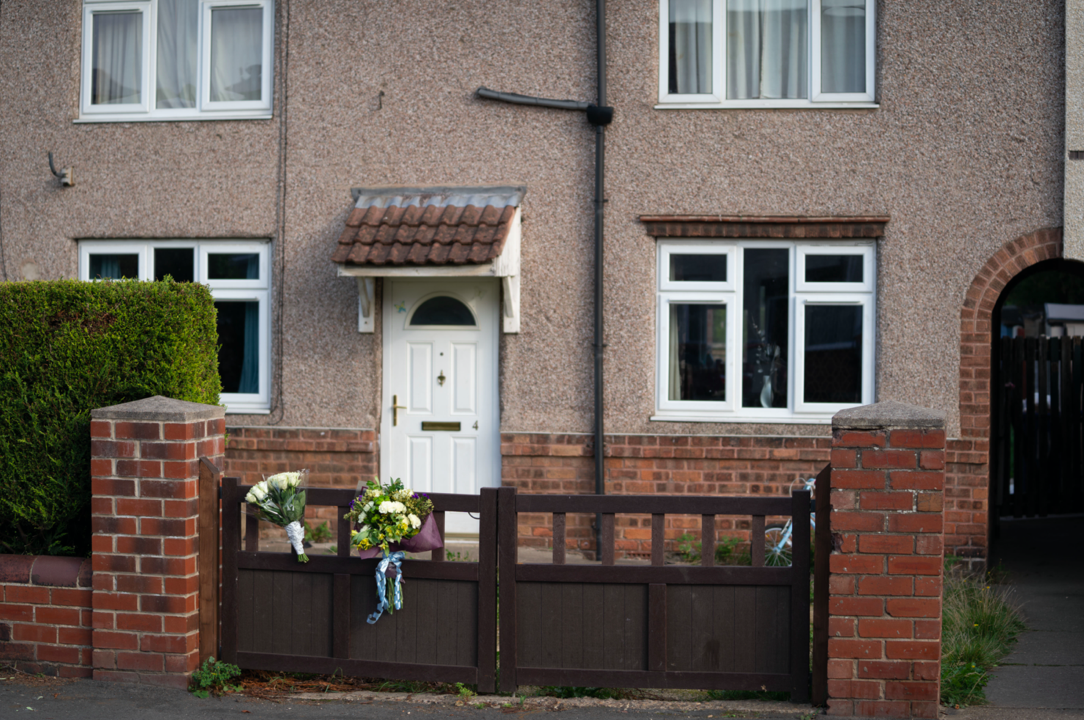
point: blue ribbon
(396, 558)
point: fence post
(885, 583)
(145, 472)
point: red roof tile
(435, 226)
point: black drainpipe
(600, 115)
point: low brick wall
(654, 464)
(45, 614)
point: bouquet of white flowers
(280, 500)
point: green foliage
(319, 534)
(67, 348)
(213, 678)
(580, 692)
(466, 692)
(728, 551)
(979, 624)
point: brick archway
(967, 521)
(976, 322)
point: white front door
(440, 420)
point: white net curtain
(117, 57)
(236, 55)
(767, 48)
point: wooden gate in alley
(1037, 448)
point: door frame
(491, 305)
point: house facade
(808, 205)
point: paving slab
(1037, 686)
(1046, 569)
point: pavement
(51, 699)
(1044, 675)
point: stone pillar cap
(888, 414)
(160, 409)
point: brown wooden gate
(1037, 452)
(676, 626)
(282, 615)
(708, 627)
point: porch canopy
(433, 232)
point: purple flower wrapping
(428, 538)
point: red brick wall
(144, 519)
(966, 493)
(664, 464)
(334, 458)
(886, 572)
(45, 614)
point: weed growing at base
(213, 678)
(979, 624)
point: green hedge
(67, 348)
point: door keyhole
(441, 378)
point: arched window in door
(443, 310)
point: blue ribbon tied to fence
(396, 559)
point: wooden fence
(599, 624)
(1037, 453)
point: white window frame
(717, 98)
(204, 109)
(258, 403)
(257, 106)
(863, 250)
(731, 293)
(146, 8)
(802, 301)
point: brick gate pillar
(886, 566)
(144, 508)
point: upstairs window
(176, 59)
(766, 53)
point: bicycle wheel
(777, 552)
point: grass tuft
(979, 624)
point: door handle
(395, 408)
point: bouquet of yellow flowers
(387, 515)
(391, 520)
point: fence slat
(656, 627)
(757, 541)
(342, 534)
(707, 540)
(606, 537)
(487, 591)
(1076, 504)
(508, 556)
(658, 539)
(799, 599)
(558, 538)
(1019, 376)
(1041, 479)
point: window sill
(89, 119)
(768, 105)
(719, 418)
(236, 410)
